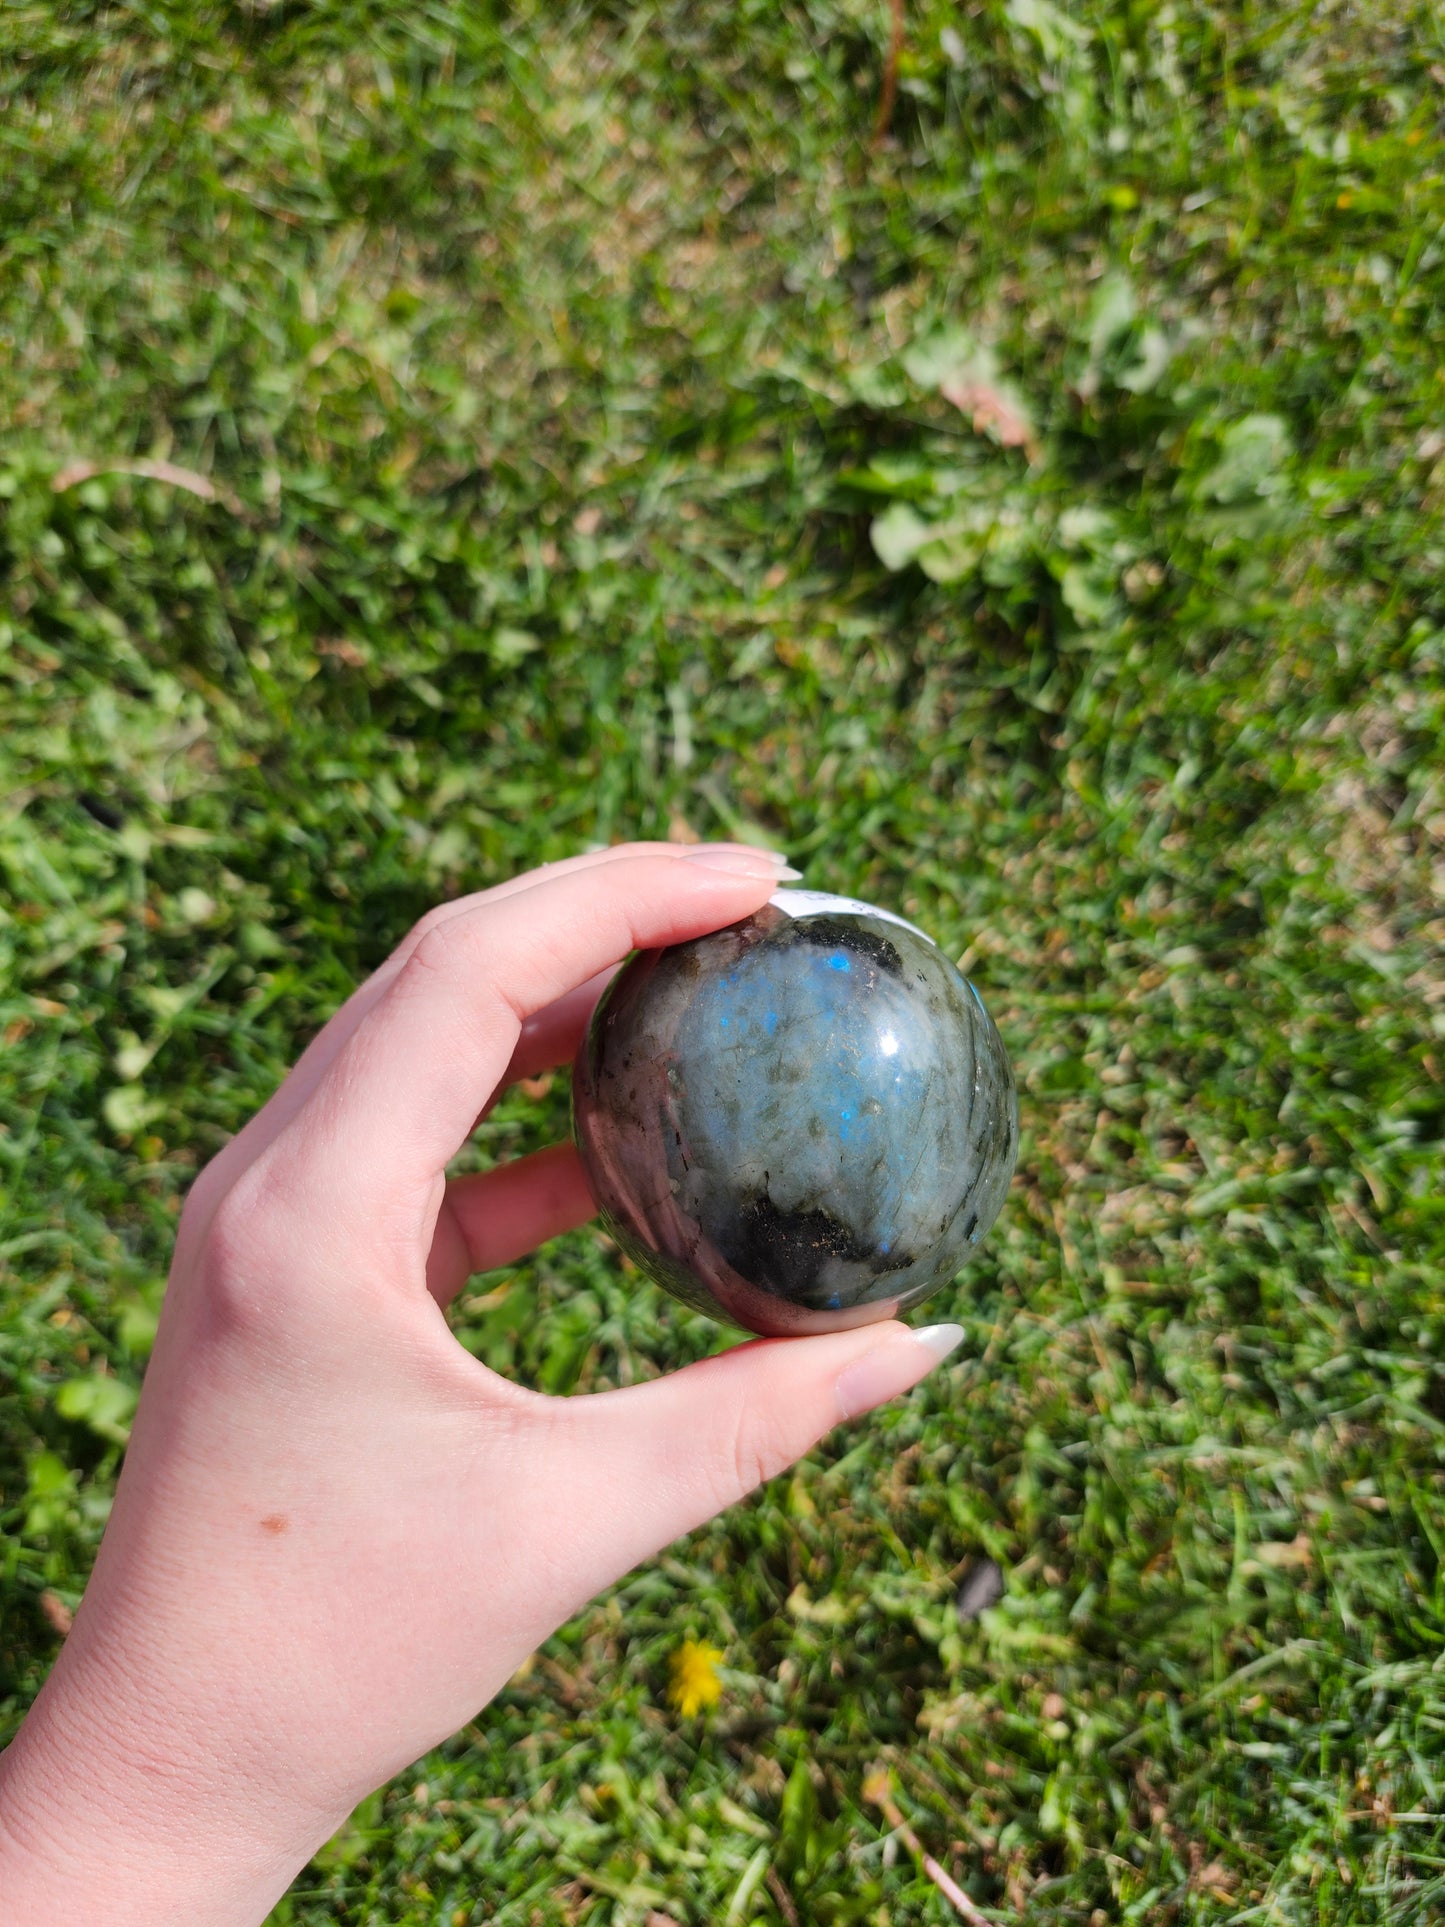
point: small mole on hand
(275, 1522)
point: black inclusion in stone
(832, 933)
(788, 1251)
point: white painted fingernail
(749, 863)
(745, 849)
(894, 1367)
(939, 1339)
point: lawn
(441, 438)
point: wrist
(111, 1809)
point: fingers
(322, 1049)
(650, 1463)
(402, 1093)
(494, 1217)
(539, 1039)
(552, 1035)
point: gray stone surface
(798, 1123)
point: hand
(337, 1534)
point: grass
(559, 400)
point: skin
(337, 1534)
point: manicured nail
(894, 1367)
(748, 849)
(746, 863)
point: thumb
(664, 1457)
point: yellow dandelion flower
(694, 1683)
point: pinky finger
(494, 1217)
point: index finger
(540, 1037)
(402, 1095)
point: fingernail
(761, 864)
(748, 849)
(894, 1367)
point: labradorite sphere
(803, 1122)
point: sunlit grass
(508, 431)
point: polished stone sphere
(803, 1122)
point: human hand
(337, 1534)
